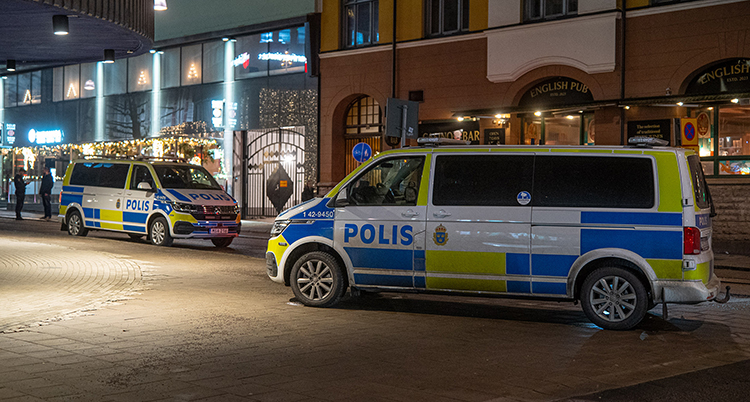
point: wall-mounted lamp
(109, 56)
(10, 65)
(537, 113)
(735, 100)
(680, 103)
(160, 5)
(60, 24)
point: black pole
(393, 67)
(622, 71)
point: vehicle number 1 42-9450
(318, 214)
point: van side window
(700, 188)
(141, 174)
(389, 182)
(593, 182)
(111, 175)
(481, 180)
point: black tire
(614, 298)
(158, 232)
(135, 236)
(317, 279)
(75, 224)
(222, 242)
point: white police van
(161, 200)
(619, 229)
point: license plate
(219, 231)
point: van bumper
(686, 292)
(205, 229)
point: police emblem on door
(440, 236)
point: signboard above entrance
(466, 130)
(730, 76)
(557, 91)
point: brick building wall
(731, 227)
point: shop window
(463, 180)
(247, 49)
(170, 68)
(363, 124)
(538, 10)
(191, 65)
(287, 54)
(562, 130)
(88, 80)
(734, 140)
(11, 90)
(593, 182)
(445, 17)
(57, 84)
(213, 62)
(139, 73)
(72, 87)
(116, 77)
(29, 88)
(360, 22)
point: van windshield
(700, 187)
(183, 176)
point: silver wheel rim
(613, 299)
(74, 226)
(315, 280)
(157, 232)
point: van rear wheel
(158, 233)
(75, 224)
(317, 279)
(614, 298)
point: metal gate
(274, 160)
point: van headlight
(182, 207)
(278, 227)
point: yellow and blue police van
(161, 200)
(618, 229)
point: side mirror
(341, 199)
(144, 186)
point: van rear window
(593, 182)
(700, 188)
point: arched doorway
(363, 123)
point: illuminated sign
(89, 85)
(283, 57)
(45, 137)
(10, 133)
(242, 60)
(217, 116)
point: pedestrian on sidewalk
(20, 184)
(46, 192)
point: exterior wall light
(60, 24)
(10, 65)
(109, 56)
(537, 113)
(160, 5)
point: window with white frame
(445, 17)
(538, 10)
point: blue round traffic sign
(361, 152)
(689, 131)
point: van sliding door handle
(441, 214)
(409, 213)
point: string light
(71, 91)
(192, 72)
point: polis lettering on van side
(209, 197)
(136, 205)
(368, 234)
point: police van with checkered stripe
(160, 200)
(618, 229)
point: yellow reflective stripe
(63, 209)
(424, 185)
(111, 226)
(670, 199)
(466, 284)
(108, 215)
(175, 217)
(666, 269)
(276, 248)
(588, 151)
(513, 150)
(470, 262)
(702, 272)
(628, 151)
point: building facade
(238, 98)
(547, 72)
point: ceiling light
(460, 118)
(152, 51)
(711, 108)
(10, 65)
(537, 113)
(60, 24)
(160, 5)
(735, 100)
(109, 56)
(570, 117)
(627, 107)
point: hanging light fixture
(60, 24)
(160, 5)
(10, 65)
(109, 56)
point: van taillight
(60, 200)
(692, 240)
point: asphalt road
(108, 318)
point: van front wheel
(317, 279)
(158, 233)
(614, 298)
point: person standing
(46, 191)
(20, 184)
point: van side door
(379, 220)
(138, 202)
(478, 222)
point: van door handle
(409, 214)
(441, 214)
